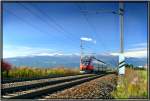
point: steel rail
(12, 80)
(37, 92)
(12, 87)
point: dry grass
(132, 85)
(28, 72)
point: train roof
(92, 57)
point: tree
(5, 67)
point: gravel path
(99, 88)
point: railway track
(11, 87)
(11, 80)
(37, 88)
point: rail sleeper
(51, 89)
(40, 84)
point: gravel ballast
(100, 88)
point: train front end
(85, 65)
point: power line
(98, 11)
(88, 22)
(92, 27)
(58, 25)
(28, 23)
(36, 15)
(37, 28)
(68, 37)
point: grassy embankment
(28, 72)
(132, 85)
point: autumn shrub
(5, 68)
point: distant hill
(137, 61)
(45, 61)
(67, 61)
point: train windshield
(86, 60)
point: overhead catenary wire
(98, 11)
(107, 11)
(56, 23)
(68, 36)
(80, 9)
(51, 19)
(30, 24)
(40, 18)
(90, 24)
(59, 28)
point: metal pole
(81, 53)
(121, 13)
(121, 56)
(81, 48)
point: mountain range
(67, 61)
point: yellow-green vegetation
(27, 72)
(132, 85)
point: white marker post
(121, 64)
(121, 56)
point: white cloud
(137, 53)
(47, 54)
(140, 45)
(138, 50)
(20, 51)
(88, 39)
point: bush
(5, 68)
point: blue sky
(56, 28)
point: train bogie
(86, 71)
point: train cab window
(85, 61)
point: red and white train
(89, 64)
